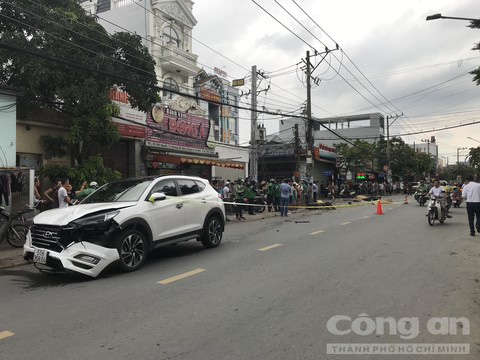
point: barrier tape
(362, 203)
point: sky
(420, 66)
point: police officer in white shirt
(436, 190)
(471, 194)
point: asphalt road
(266, 293)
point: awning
(198, 161)
(221, 163)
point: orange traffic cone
(379, 208)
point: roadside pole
(253, 173)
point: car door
(166, 216)
(195, 203)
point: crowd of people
(279, 195)
(62, 193)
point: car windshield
(119, 191)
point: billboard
(177, 130)
(127, 128)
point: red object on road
(379, 208)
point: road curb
(12, 261)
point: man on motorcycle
(422, 190)
(437, 191)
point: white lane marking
(269, 247)
(180, 276)
(366, 217)
(317, 232)
(346, 223)
(5, 334)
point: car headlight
(97, 219)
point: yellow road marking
(366, 217)
(317, 232)
(181, 276)
(5, 334)
(346, 223)
(269, 247)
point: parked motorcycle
(456, 199)
(345, 193)
(15, 234)
(260, 199)
(435, 211)
(421, 197)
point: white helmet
(93, 184)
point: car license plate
(40, 256)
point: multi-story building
(223, 118)
(368, 127)
(166, 29)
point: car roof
(154, 177)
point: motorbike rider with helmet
(422, 189)
(437, 191)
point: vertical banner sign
(127, 128)
(178, 130)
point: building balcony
(176, 60)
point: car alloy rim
(133, 250)
(215, 231)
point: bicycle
(15, 234)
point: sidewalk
(10, 256)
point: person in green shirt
(276, 196)
(239, 190)
(270, 194)
(250, 195)
(85, 190)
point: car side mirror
(157, 196)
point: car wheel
(132, 249)
(212, 233)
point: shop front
(177, 143)
(324, 169)
(168, 164)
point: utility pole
(297, 149)
(253, 173)
(458, 154)
(309, 69)
(388, 139)
(388, 142)
(428, 146)
(309, 119)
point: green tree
(474, 159)
(425, 164)
(358, 157)
(452, 172)
(476, 25)
(92, 169)
(63, 30)
(403, 160)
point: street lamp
(469, 137)
(440, 16)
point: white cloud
(380, 36)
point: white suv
(123, 220)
